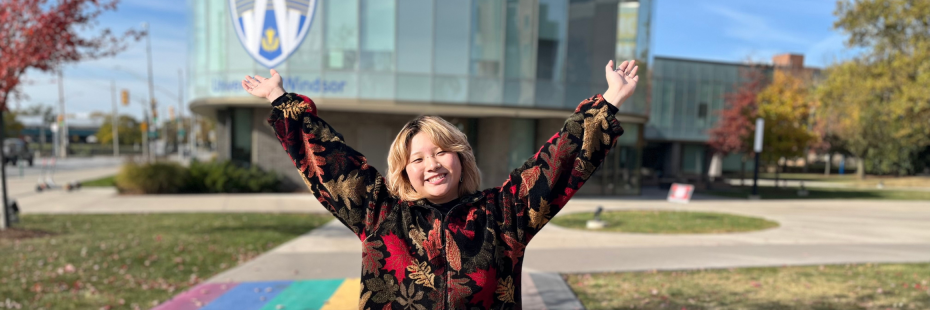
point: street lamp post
(148, 49)
(757, 148)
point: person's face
(433, 172)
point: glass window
(487, 38)
(241, 148)
(521, 27)
(485, 90)
(341, 34)
(376, 85)
(413, 87)
(217, 28)
(450, 88)
(378, 35)
(551, 44)
(522, 138)
(627, 21)
(451, 45)
(415, 36)
(309, 56)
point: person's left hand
(269, 88)
(621, 82)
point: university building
(506, 72)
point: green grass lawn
(869, 286)
(666, 222)
(95, 261)
(109, 181)
(822, 193)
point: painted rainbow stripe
(328, 294)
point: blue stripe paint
(245, 297)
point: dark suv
(15, 149)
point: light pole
(114, 121)
(148, 49)
(757, 148)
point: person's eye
(416, 161)
(441, 153)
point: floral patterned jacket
(415, 257)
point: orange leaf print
(529, 177)
(454, 256)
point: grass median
(131, 261)
(666, 222)
(822, 193)
(863, 286)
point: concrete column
(494, 146)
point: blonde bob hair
(448, 138)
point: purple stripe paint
(195, 298)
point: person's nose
(432, 164)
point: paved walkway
(811, 232)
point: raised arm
(338, 176)
(535, 192)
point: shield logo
(271, 30)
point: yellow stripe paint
(346, 296)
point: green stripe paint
(305, 295)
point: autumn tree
(44, 35)
(734, 131)
(878, 103)
(785, 105)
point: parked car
(16, 149)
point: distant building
(687, 97)
(80, 128)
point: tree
(129, 128)
(37, 34)
(785, 105)
(734, 131)
(12, 127)
(880, 98)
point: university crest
(271, 30)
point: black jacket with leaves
(415, 257)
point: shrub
(200, 177)
(152, 178)
(227, 177)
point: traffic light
(125, 95)
(155, 115)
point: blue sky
(719, 30)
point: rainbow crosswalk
(325, 294)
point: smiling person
(430, 238)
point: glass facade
(529, 53)
(687, 96)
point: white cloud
(753, 28)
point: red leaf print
(516, 249)
(371, 257)
(458, 291)
(399, 256)
(529, 177)
(487, 281)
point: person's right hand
(269, 88)
(621, 82)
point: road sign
(680, 193)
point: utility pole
(115, 121)
(148, 49)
